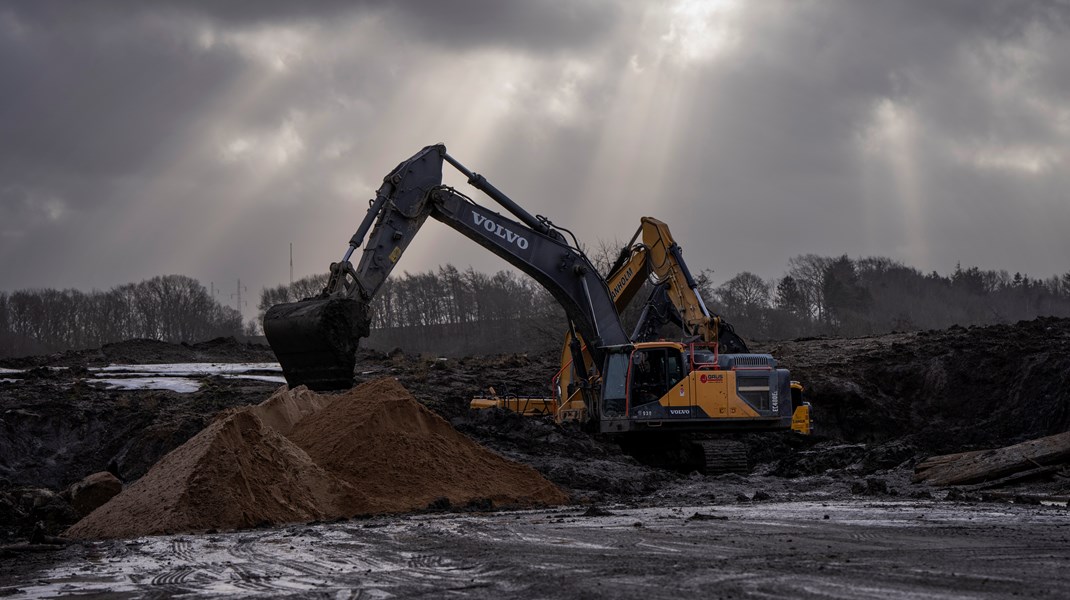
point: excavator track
(725, 456)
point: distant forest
(452, 312)
(172, 308)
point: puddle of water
(190, 369)
(267, 378)
(180, 377)
(180, 385)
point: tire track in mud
(182, 548)
(260, 566)
(366, 562)
(175, 577)
(184, 577)
(430, 570)
(863, 552)
(251, 581)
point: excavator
(623, 387)
(673, 300)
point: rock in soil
(92, 492)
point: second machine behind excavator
(614, 384)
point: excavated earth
(817, 518)
(301, 456)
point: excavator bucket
(316, 340)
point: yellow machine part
(665, 268)
(712, 391)
(526, 406)
(800, 420)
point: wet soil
(938, 391)
(880, 404)
(809, 548)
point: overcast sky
(202, 138)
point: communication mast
(240, 303)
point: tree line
(171, 308)
(822, 295)
(448, 311)
(453, 312)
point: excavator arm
(315, 339)
(668, 267)
(674, 299)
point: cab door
(678, 396)
(658, 386)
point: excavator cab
(693, 387)
(655, 372)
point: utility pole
(291, 264)
(238, 296)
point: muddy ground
(880, 404)
(800, 549)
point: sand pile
(286, 407)
(235, 473)
(301, 456)
(403, 456)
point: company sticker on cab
(704, 378)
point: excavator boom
(315, 340)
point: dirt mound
(371, 450)
(403, 456)
(236, 473)
(286, 407)
(941, 391)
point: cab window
(614, 385)
(654, 372)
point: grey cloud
(539, 25)
(124, 114)
(103, 101)
(531, 24)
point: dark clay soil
(939, 391)
(223, 349)
(880, 403)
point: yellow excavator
(615, 385)
(723, 399)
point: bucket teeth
(316, 340)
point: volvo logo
(498, 230)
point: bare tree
(808, 270)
